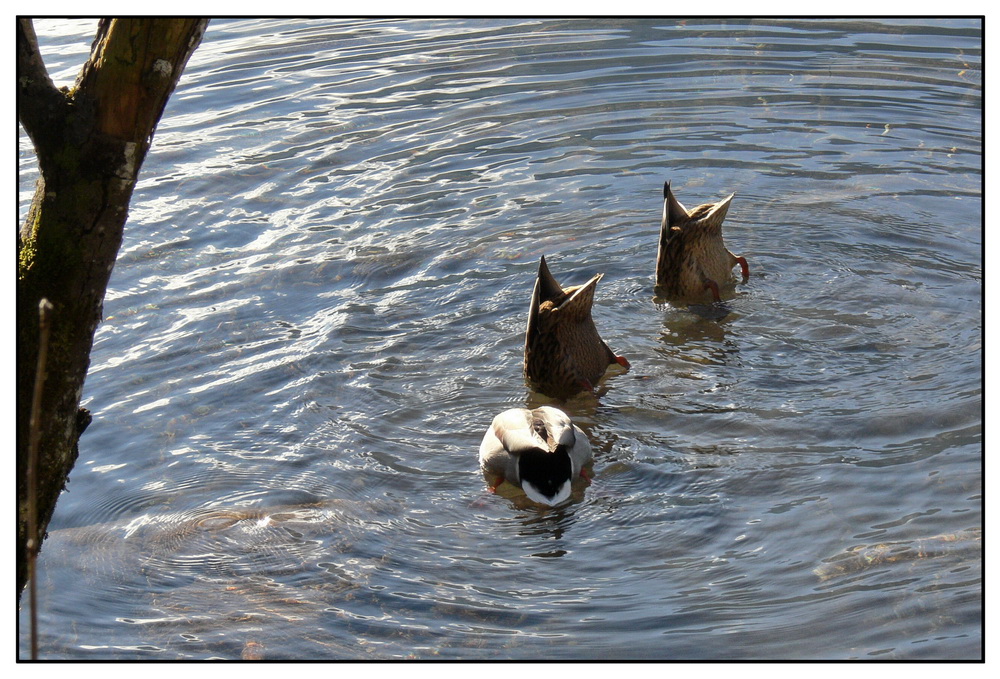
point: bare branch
(37, 96)
(134, 69)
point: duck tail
(673, 214)
(714, 217)
(548, 287)
(581, 300)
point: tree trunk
(90, 142)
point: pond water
(320, 305)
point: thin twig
(34, 433)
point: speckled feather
(692, 261)
(563, 352)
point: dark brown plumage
(692, 262)
(563, 352)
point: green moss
(28, 252)
(67, 160)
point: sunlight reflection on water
(321, 298)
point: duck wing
(553, 426)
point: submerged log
(965, 544)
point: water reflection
(698, 338)
(322, 293)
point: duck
(692, 260)
(540, 451)
(563, 352)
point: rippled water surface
(320, 305)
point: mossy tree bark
(90, 142)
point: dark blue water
(320, 305)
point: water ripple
(320, 304)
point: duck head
(563, 352)
(692, 262)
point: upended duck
(541, 451)
(692, 261)
(563, 352)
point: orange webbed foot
(744, 268)
(714, 287)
